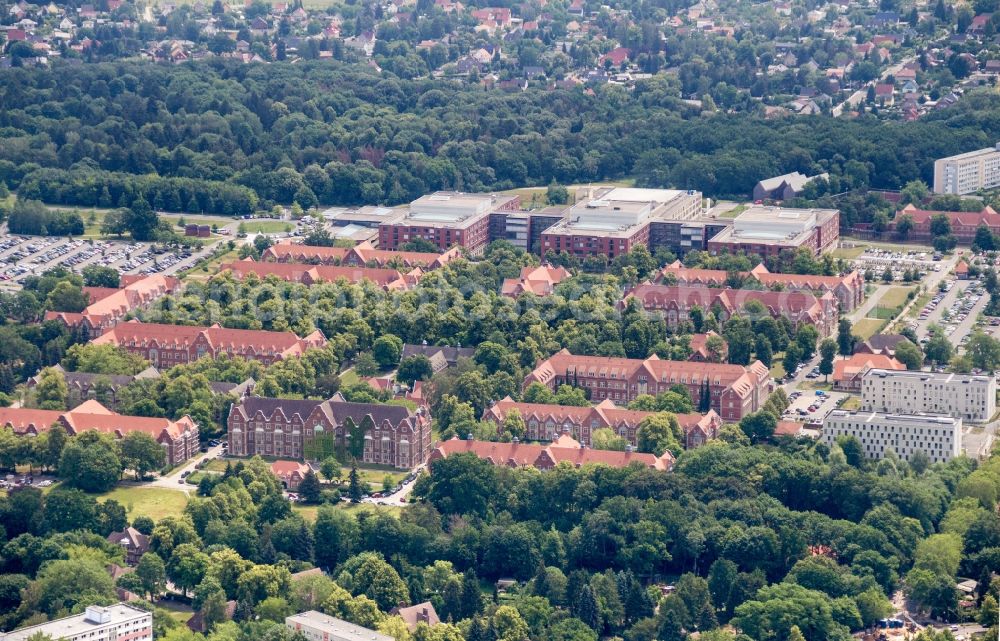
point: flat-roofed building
(767, 231)
(447, 219)
(97, 623)
(615, 220)
(969, 172)
(316, 626)
(972, 398)
(936, 435)
(523, 229)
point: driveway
(173, 479)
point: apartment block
(523, 229)
(937, 436)
(972, 398)
(733, 391)
(316, 626)
(969, 172)
(119, 622)
(447, 219)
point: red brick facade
(582, 245)
(733, 391)
(168, 345)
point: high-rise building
(969, 172)
(97, 623)
(936, 435)
(973, 398)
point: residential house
(540, 281)
(134, 542)
(416, 614)
(440, 356)
(289, 473)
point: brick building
(963, 223)
(179, 438)
(674, 302)
(110, 306)
(312, 430)
(447, 219)
(546, 457)
(361, 255)
(545, 422)
(767, 231)
(613, 221)
(306, 274)
(168, 345)
(849, 290)
(733, 391)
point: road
(858, 96)
(401, 497)
(173, 479)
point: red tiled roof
(538, 280)
(529, 455)
(851, 367)
(23, 420)
(987, 216)
(182, 336)
(305, 273)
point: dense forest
(226, 138)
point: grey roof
(885, 341)
(451, 354)
(336, 410)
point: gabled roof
(529, 455)
(859, 363)
(987, 216)
(183, 336)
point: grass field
(849, 253)
(210, 268)
(349, 377)
(154, 502)
(895, 297)
(868, 327)
(215, 465)
(777, 369)
(309, 512)
(266, 226)
(851, 404)
(178, 611)
(919, 304)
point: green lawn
(734, 212)
(178, 611)
(895, 297)
(309, 512)
(209, 268)
(868, 327)
(350, 377)
(154, 502)
(777, 368)
(216, 465)
(266, 226)
(849, 253)
(851, 404)
(919, 304)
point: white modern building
(969, 172)
(98, 623)
(936, 435)
(973, 398)
(316, 626)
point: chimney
(468, 436)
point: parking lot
(878, 260)
(955, 310)
(23, 256)
(810, 406)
